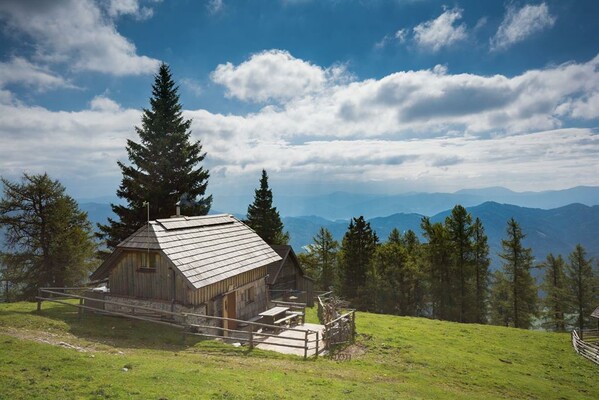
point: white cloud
(75, 33)
(103, 103)
(518, 25)
(274, 74)
(215, 6)
(401, 35)
(441, 32)
(20, 71)
(418, 129)
(129, 7)
(192, 85)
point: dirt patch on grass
(65, 340)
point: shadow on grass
(107, 330)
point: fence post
(317, 344)
(39, 301)
(306, 346)
(80, 309)
(251, 337)
(353, 325)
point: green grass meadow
(55, 355)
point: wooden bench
(299, 315)
(297, 308)
(286, 320)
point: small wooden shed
(214, 265)
(287, 278)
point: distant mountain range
(555, 230)
(341, 205)
(344, 205)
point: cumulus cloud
(103, 103)
(426, 127)
(519, 24)
(21, 71)
(274, 75)
(76, 33)
(442, 31)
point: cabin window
(147, 261)
(249, 294)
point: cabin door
(229, 311)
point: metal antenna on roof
(147, 204)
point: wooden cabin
(286, 278)
(211, 265)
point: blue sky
(380, 96)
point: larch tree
(323, 251)
(49, 240)
(517, 263)
(583, 288)
(263, 218)
(556, 301)
(500, 300)
(481, 260)
(164, 166)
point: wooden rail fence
(339, 328)
(589, 347)
(254, 334)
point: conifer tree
(459, 230)
(500, 300)
(555, 303)
(49, 240)
(323, 252)
(517, 262)
(582, 283)
(263, 218)
(165, 166)
(356, 256)
(442, 280)
(481, 266)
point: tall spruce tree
(582, 283)
(441, 277)
(263, 217)
(517, 262)
(165, 166)
(554, 284)
(481, 269)
(459, 230)
(355, 265)
(49, 240)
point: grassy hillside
(54, 355)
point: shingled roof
(595, 313)
(204, 249)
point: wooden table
(270, 316)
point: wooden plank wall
(288, 276)
(203, 295)
(127, 279)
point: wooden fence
(213, 327)
(589, 347)
(339, 322)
